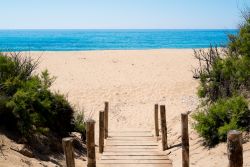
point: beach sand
(132, 82)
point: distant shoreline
(125, 29)
(88, 40)
(107, 50)
(137, 49)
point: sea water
(76, 40)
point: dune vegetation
(27, 105)
(224, 76)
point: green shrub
(227, 72)
(201, 92)
(79, 125)
(224, 76)
(16, 65)
(222, 116)
(27, 101)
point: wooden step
(130, 134)
(131, 139)
(134, 162)
(128, 148)
(136, 157)
(153, 153)
(130, 131)
(134, 165)
(131, 144)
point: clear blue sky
(116, 14)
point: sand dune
(132, 82)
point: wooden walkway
(132, 148)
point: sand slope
(133, 81)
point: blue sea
(74, 40)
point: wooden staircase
(132, 148)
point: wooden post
(101, 131)
(234, 148)
(106, 119)
(163, 127)
(68, 151)
(91, 143)
(185, 140)
(156, 121)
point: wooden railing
(234, 139)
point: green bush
(15, 65)
(222, 116)
(25, 99)
(227, 72)
(80, 125)
(224, 76)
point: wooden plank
(153, 153)
(131, 139)
(141, 132)
(131, 144)
(134, 165)
(132, 136)
(126, 157)
(119, 132)
(129, 147)
(130, 131)
(134, 162)
(126, 135)
(144, 134)
(132, 148)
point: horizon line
(119, 29)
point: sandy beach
(132, 56)
(132, 82)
